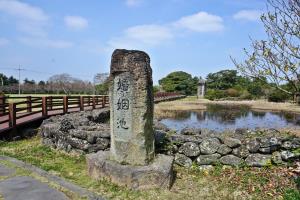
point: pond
(220, 118)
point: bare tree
(278, 57)
(100, 78)
(62, 82)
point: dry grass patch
(189, 183)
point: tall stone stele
(131, 100)
(201, 89)
(131, 161)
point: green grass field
(219, 183)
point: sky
(47, 37)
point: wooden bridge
(19, 111)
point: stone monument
(131, 161)
(201, 88)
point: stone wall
(243, 147)
(81, 132)
(88, 131)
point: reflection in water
(219, 118)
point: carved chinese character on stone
(131, 160)
(123, 104)
(132, 110)
(123, 84)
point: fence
(19, 110)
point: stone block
(131, 103)
(158, 174)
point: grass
(220, 183)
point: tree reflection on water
(220, 117)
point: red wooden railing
(19, 110)
(16, 111)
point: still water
(219, 118)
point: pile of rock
(82, 132)
(89, 131)
(207, 148)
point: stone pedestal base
(158, 174)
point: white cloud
(76, 22)
(249, 15)
(133, 3)
(150, 35)
(201, 22)
(44, 42)
(29, 19)
(4, 41)
(22, 10)
(138, 36)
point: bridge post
(29, 104)
(94, 102)
(103, 101)
(2, 103)
(65, 106)
(81, 103)
(44, 107)
(12, 115)
(49, 106)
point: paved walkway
(21, 181)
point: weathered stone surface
(241, 131)
(183, 160)
(21, 188)
(102, 143)
(209, 145)
(287, 155)
(190, 149)
(208, 159)
(66, 125)
(100, 116)
(81, 134)
(78, 143)
(232, 142)
(241, 152)
(224, 149)
(49, 130)
(172, 149)
(158, 174)
(178, 138)
(258, 160)
(231, 160)
(131, 102)
(269, 142)
(296, 143)
(287, 145)
(268, 150)
(191, 131)
(276, 158)
(252, 145)
(79, 138)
